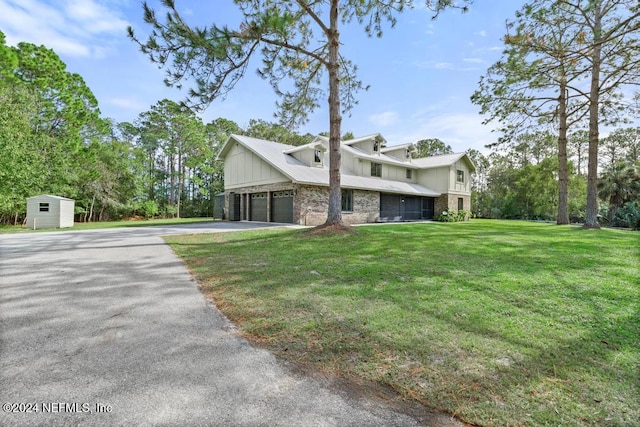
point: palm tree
(619, 183)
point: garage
(258, 207)
(282, 206)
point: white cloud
(442, 65)
(474, 60)
(433, 65)
(461, 131)
(128, 104)
(430, 30)
(69, 27)
(385, 119)
(481, 33)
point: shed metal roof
(49, 196)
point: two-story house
(273, 182)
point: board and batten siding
(243, 168)
(399, 173)
(59, 215)
(435, 178)
(464, 187)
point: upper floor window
(409, 174)
(317, 156)
(347, 200)
(460, 176)
(376, 169)
(376, 146)
(44, 207)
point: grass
(498, 323)
(106, 224)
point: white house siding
(455, 185)
(398, 173)
(350, 164)
(436, 178)
(242, 167)
(308, 157)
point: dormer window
(317, 156)
(407, 153)
(376, 146)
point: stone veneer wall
(450, 201)
(310, 205)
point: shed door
(258, 207)
(282, 206)
(218, 206)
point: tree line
(567, 65)
(54, 141)
(567, 68)
(521, 181)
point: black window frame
(347, 200)
(317, 156)
(376, 146)
(409, 174)
(376, 169)
(43, 207)
(460, 176)
(460, 203)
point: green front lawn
(500, 323)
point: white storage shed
(49, 212)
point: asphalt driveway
(106, 327)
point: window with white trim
(347, 200)
(376, 169)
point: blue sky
(421, 73)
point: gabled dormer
(311, 154)
(400, 152)
(370, 144)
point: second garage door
(258, 207)
(282, 206)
